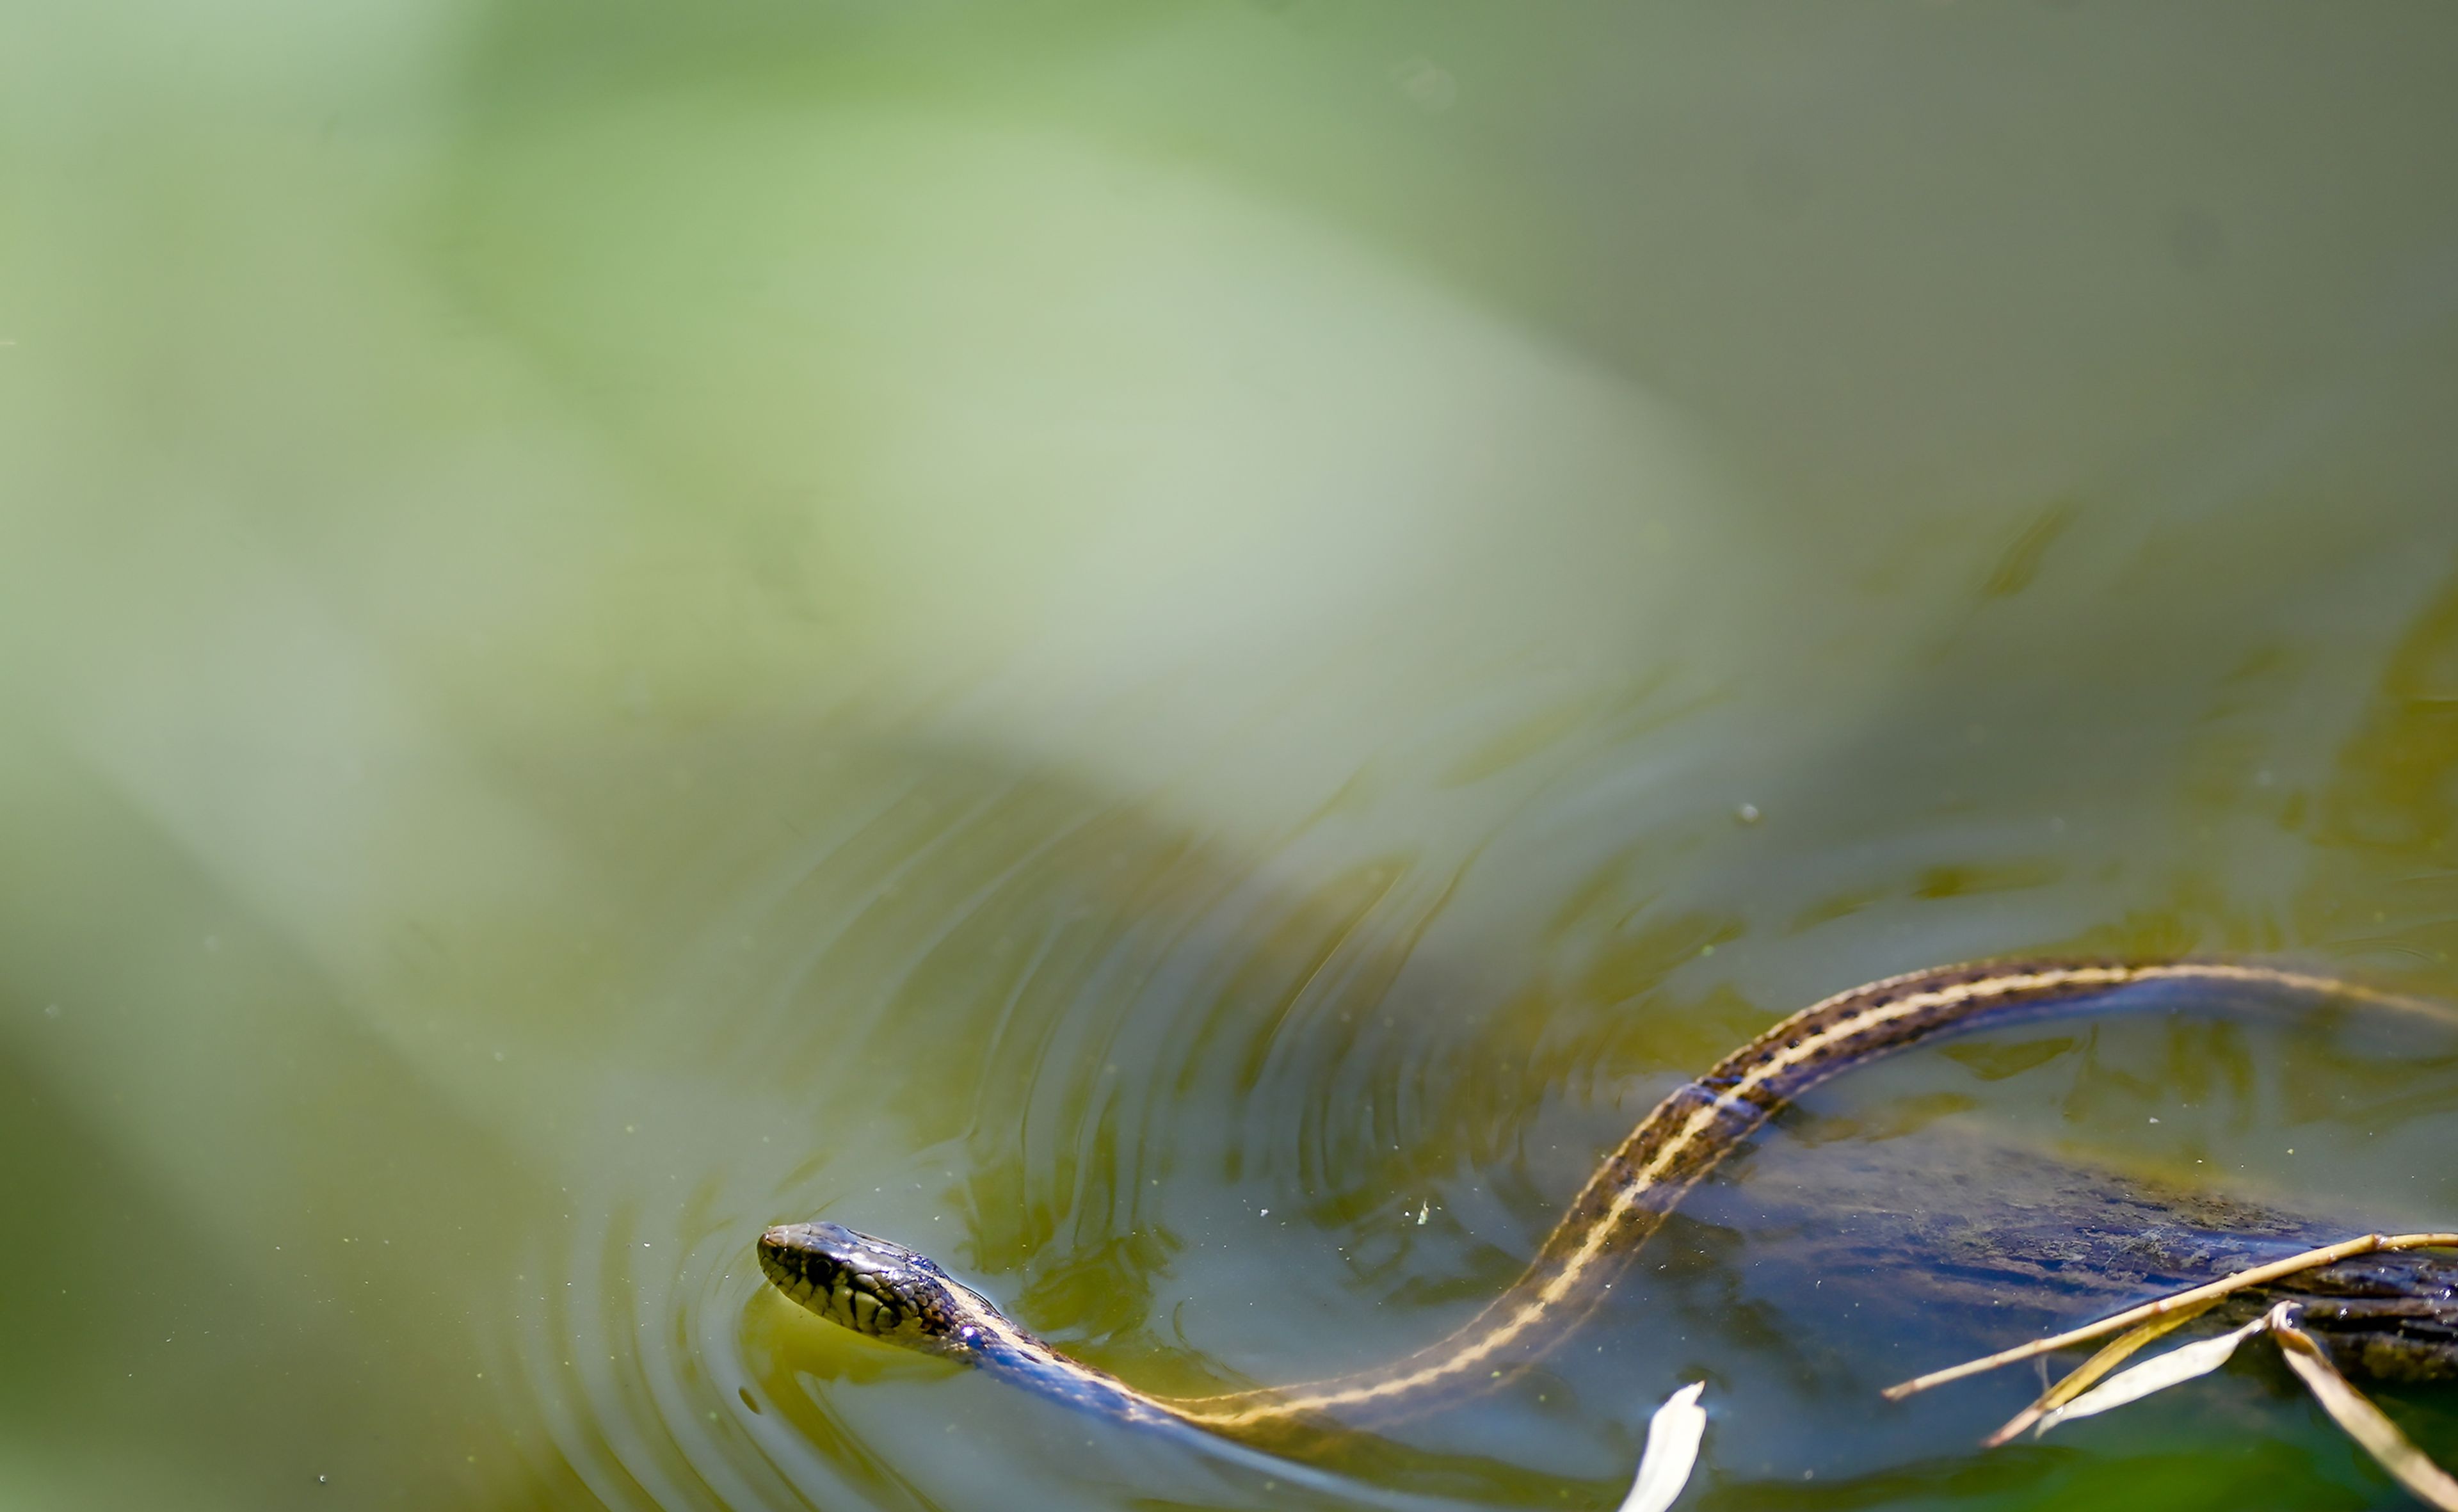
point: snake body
(891, 1293)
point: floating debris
(2350, 1408)
(2310, 1259)
(2354, 1412)
(2178, 1365)
(2113, 1354)
(1671, 1450)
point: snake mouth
(877, 1288)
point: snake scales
(889, 1292)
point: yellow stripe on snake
(889, 1292)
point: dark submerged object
(2390, 1315)
(1957, 1235)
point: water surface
(1181, 656)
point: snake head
(871, 1286)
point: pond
(1182, 655)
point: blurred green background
(1135, 643)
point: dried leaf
(1672, 1437)
(2117, 1352)
(2362, 1244)
(2197, 1359)
(2362, 1421)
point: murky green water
(1180, 654)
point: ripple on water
(1210, 1116)
(1155, 1094)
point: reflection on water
(1181, 659)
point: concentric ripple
(1211, 1115)
(1180, 1109)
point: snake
(888, 1292)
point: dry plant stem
(2310, 1259)
(2090, 1371)
(2355, 1413)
